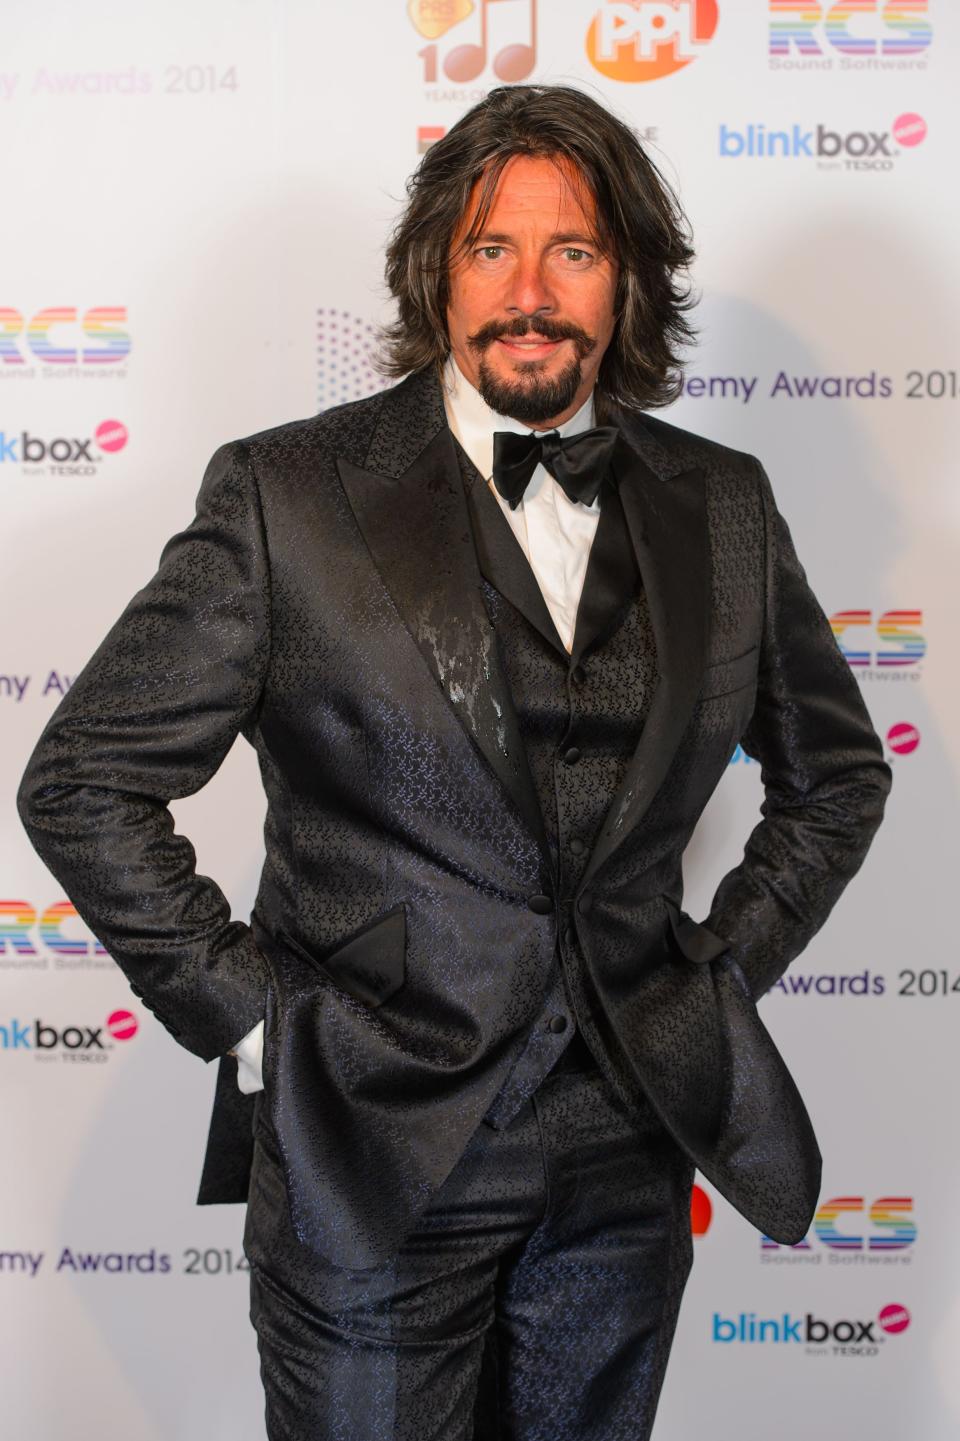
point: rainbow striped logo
(837, 1226)
(51, 336)
(19, 918)
(895, 641)
(892, 28)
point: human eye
(489, 252)
(576, 255)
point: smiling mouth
(528, 347)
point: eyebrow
(496, 237)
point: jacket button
(571, 756)
(557, 1024)
(540, 905)
(585, 904)
(576, 845)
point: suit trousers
(536, 1299)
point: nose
(528, 291)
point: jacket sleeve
(824, 777)
(150, 718)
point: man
(494, 659)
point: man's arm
(824, 776)
(150, 718)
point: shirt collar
(473, 422)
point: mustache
(524, 327)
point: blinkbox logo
(69, 1043)
(854, 150)
(62, 455)
(820, 1338)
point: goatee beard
(533, 398)
(530, 397)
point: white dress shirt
(555, 533)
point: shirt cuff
(249, 1053)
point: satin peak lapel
(418, 532)
(667, 521)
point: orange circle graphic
(623, 43)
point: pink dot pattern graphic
(346, 345)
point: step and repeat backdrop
(197, 198)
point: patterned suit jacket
(325, 603)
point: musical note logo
(466, 62)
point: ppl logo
(61, 454)
(831, 149)
(889, 649)
(69, 1043)
(51, 337)
(644, 39)
(701, 1211)
(504, 41)
(860, 34)
(889, 1234)
(841, 1338)
(21, 929)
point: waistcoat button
(540, 905)
(572, 755)
(578, 675)
(576, 845)
(557, 1024)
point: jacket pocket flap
(729, 675)
(695, 941)
(371, 964)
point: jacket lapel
(409, 504)
(665, 513)
(500, 555)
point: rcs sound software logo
(635, 40)
(58, 341)
(839, 1236)
(29, 939)
(856, 35)
(889, 649)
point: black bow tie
(578, 463)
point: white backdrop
(197, 198)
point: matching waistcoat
(580, 714)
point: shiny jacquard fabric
(580, 715)
(326, 602)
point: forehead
(536, 191)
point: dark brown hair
(642, 226)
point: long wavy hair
(640, 220)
